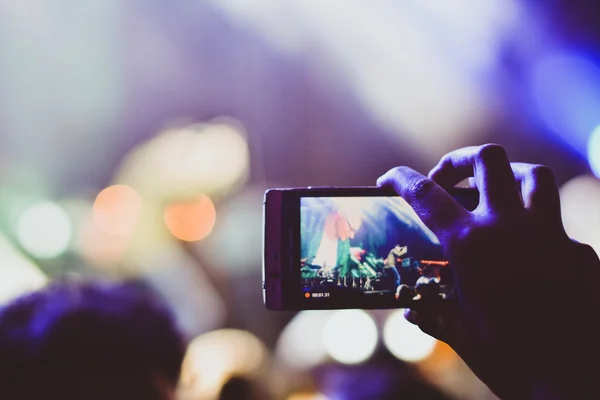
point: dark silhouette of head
(84, 340)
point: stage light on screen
(302, 348)
(594, 151)
(566, 91)
(117, 209)
(191, 221)
(580, 199)
(405, 340)
(215, 356)
(350, 336)
(44, 230)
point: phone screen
(368, 247)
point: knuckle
(542, 173)
(491, 153)
(422, 188)
(401, 170)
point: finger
(489, 166)
(538, 189)
(410, 316)
(434, 205)
(429, 321)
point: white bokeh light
(350, 336)
(580, 206)
(44, 230)
(301, 342)
(594, 151)
(405, 340)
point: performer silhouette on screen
(391, 274)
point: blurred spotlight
(594, 151)
(117, 209)
(44, 230)
(301, 342)
(221, 150)
(350, 336)
(17, 274)
(566, 91)
(191, 221)
(210, 158)
(580, 198)
(405, 340)
(214, 357)
(430, 86)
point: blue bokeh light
(594, 151)
(566, 91)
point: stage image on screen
(369, 246)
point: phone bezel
(281, 244)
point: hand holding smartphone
(351, 247)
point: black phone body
(351, 247)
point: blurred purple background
(137, 139)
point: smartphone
(351, 247)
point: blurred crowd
(137, 139)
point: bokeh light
(594, 151)
(192, 220)
(405, 340)
(301, 343)
(350, 336)
(214, 357)
(580, 205)
(17, 274)
(44, 230)
(566, 91)
(117, 209)
(211, 158)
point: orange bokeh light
(117, 209)
(191, 221)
